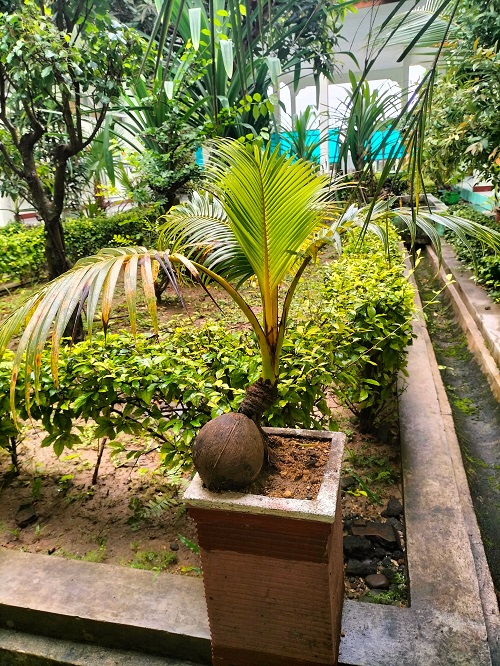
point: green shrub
(85, 236)
(22, 254)
(349, 330)
(482, 260)
(371, 307)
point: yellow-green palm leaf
(273, 203)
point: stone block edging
(478, 315)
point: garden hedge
(349, 331)
(22, 254)
(480, 259)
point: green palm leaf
(200, 230)
(273, 204)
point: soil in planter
(295, 471)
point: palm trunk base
(259, 397)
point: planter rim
(321, 509)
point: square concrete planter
(273, 569)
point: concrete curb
(27, 650)
(478, 315)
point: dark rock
(377, 582)
(313, 459)
(398, 555)
(174, 546)
(382, 533)
(359, 522)
(387, 561)
(393, 509)
(379, 553)
(25, 515)
(390, 574)
(364, 568)
(397, 524)
(357, 547)
(347, 482)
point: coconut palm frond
(92, 281)
(199, 230)
(273, 204)
(422, 27)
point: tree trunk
(55, 250)
(58, 263)
(259, 396)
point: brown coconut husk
(228, 452)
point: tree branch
(10, 163)
(97, 127)
(59, 187)
(68, 121)
(3, 108)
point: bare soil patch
(296, 468)
(134, 515)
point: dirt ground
(134, 515)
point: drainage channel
(476, 413)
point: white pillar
(6, 211)
(324, 121)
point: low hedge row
(350, 327)
(483, 260)
(22, 254)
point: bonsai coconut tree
(263, 216)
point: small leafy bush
(22, 254)
(348, 335)
(372, 306)
(85, 236)
(482, 260)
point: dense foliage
(484, 261)
(371, 300)
(351, 325)
(463, 132)
(59, 74)
(22, 255)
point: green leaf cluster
(350, 327)
(22, 256)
